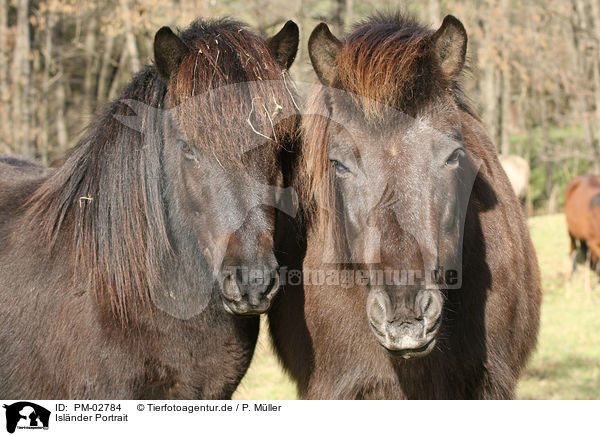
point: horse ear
(450, 44)
(323, 49)
(284, 45)
(169, 50)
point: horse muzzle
(249, 291)
(410, 333)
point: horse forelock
(389, 62)
(230, 82)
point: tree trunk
(105, 67)
(338, 14)
(349, 19)
(301, 16)
(43, 144)
(595, 58)
(134, 57)
(115, 85)
(548, 164)
(433, 12)
(21, 82)
(4, 87)
(486, 55)
(505, 113)
(505, 127)
(90, 67)
(62, 134)
(579, 24)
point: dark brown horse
(116, 267)
(388, 174)
(582, 210)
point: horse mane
(106, 199)
(386, 62)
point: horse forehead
(408, 137)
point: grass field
(566, 364)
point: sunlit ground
(566, 364)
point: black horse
(388, 160)
(120, 269)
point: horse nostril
(231, 289)
(431, 313)
(435, 324)
(427, 304)
(377, 309)
(430, 303)
(273, 285)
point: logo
(26, 415)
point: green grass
(265, 379)
(566, 364)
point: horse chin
(243, 308)
(413, 353)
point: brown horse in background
(387, 154)
(582, 211)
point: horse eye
(185, 147)
(454, 158)
(340, 169)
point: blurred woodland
(534, 77)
